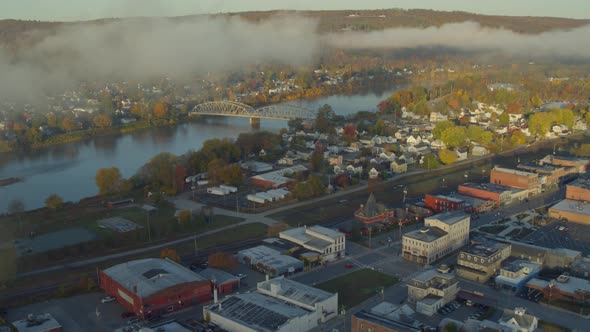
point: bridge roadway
(237, 109)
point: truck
(217, 191)
(230, 188)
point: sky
(73, 10)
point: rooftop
(385, 322)
(257, 311)
(513, 171)
(490, 187)
(295, 291)
(326, 231)
(567, 284)
(218, 276)
(522, 319)
(481, 250)
(534, 167)
(270, 257)
(449, 198)
(278, 177)
(428, 275)
(450, 217)
(148, 276)
(580, 183)
(300, 234)
(37, 323)
(371, 208)
(167, 327)
(426, 235)
(569, 205)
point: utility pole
(195, 238)
(149, 227)
(405, 193)
(343, 313)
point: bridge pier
(255, 123)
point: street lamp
(443, 183)
(466, 176)
(405, 193)
(483, 173)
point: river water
(68, 170)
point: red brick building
(152, 287)
(224, 282)
(373, 212)
(440, 203)
(500, 194)
(578, 190)
(515, 178)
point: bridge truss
(233, 108)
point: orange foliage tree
(222, 260)
(170, 254)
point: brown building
(515, 178)
(579, 164)
(564, 288)
(550, 176)
(578, 190)
(498, 193)
(364, 321)
(574, 211)
(373, 212)
(440, 203)
(480, 262)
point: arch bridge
(237, 109)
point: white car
(107, 299)
(241, 276)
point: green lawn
(235, 234)
(573, 307)
(550, 327)
(358, 286)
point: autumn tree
(316, 161)
(69, 124)
(109, 181)
(160, 110)
(170, 254)
(184, 216)
(429, 162)
(231, 175)
(447, 156)
(222, 260)
(160, 172)
(349, 132)
(102, 121)
(517, 137)
(454, 136)
(54, 202)
(441, 126)
(324, 118)
(540, 123)
(504, 119)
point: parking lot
(78, 313)
(457, 310)
(572, 236)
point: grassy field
(235, 234)
(550, 327)
(358, 286)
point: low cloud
(144, 48)
(471, 36)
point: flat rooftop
(569, 205)
(450, 217)
(258, 312)
(392, 324)
(571, 285)
(326, 231)
(431, 274)
(151, 275)
(37, 323)
(295, 291)
(448, 198)
(429, 234)
(533, 167)
(300, 234)
(218, 276)
(278, 177)
(580, 183)
(480, 250)
(473, 201)
(513, 171)
(270, 257)
(490, 187)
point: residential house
(518, 320)
(373, 173)
(413, 140)
(334, 160)
(461, 153)
(479, 150)
(437, 117)
(437, 144)
(399, 166)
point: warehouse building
(152, 287)
(277, 179)
(498, 193)
(570, 210)
(330, 244)
(277, 305)
(578, 190)
(515, 178)
(269, 261)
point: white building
(432, 289)
(279, 305)
(443, 233)
(518, 320)
(330, 244)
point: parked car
(348, 266)
(241, 276)
(107, 299)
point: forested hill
(17, 33)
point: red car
(348, 266)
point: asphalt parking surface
(576, 237)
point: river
(68, 170)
